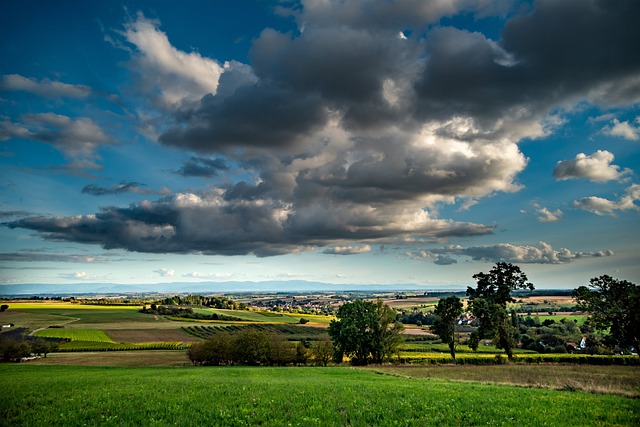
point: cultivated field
(190, 396)
(148, 381)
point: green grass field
(580, 318)
(619, 380)
(71, 395)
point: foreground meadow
(74, 395)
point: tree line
(185, 313)
(612, 304)
(257, 348)
(220, 302)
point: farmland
(72, 395)
(115, 387)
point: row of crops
(79, 340)
(92, 335)
(291, 332)
(80, 346)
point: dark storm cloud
(346, 66)
(556, 53)
(261, 116)
(189, 223)
(202, 167)
(123, 187)
(573, 46)
(13, 214)
(390, 14)
(444, 260)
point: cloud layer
(505, 252)
(357, 128)
(210, 224)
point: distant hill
(209, 287)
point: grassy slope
(621, 380)
(65, 395)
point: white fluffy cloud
(545, 215)
(602, 207)
(626, 130)
(165, 272)
(596, 167)
(171, 75)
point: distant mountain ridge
(210, 287)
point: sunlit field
(72, 395)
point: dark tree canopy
(365, 331)
(447, 312)
(488, 303)
(615, 306)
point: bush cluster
(248, 347)
(199, 300)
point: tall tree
(353, 333)
(488, 303)
(614, 306)
(365, 331)
(447, 312)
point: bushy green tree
(354, 332)
(488, 303)
(322, 352)
(365, 331)
(42, 347)
(251, 348)
(614, 305)
(448, 311)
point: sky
(339, 141)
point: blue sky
(347, 142)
